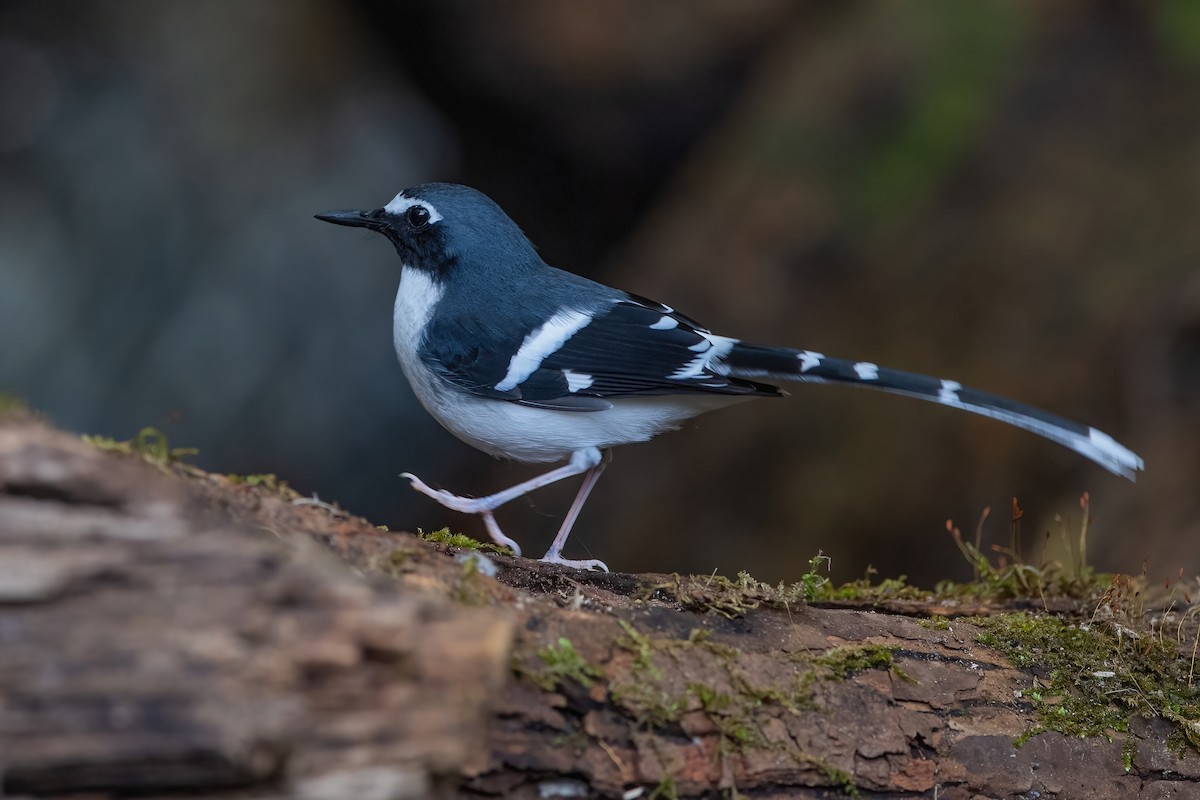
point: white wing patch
(717, 348)
(541, 344)
(400, 204)
(577, 381)
(866, 371)
(665, 324)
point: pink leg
(581, 461)
(554, 554)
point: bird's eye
(417, 216)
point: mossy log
(167, 631)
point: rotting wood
(180, 632)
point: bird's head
(436, 227)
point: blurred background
(1000, 192)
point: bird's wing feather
(629, 348)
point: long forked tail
(755, 362)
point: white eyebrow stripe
(400, 204)
(665, 324)
(541, 344)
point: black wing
(631, 348)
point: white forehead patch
(400, 204)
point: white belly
(522, 433)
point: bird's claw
(582, 563)
(498, 536)
(466, 505)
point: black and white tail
(755, 361)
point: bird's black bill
(353, 219)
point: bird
(527, 362)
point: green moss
(468, 589)
(1177, 744)
(732, 598)
(728, 700)
(839, 779)
(395, 562)
(731, 704)
(731, 717)
(10, 404)
(150, 444)
(641, 692)
(844, 662)
(1089, 679)
(444, 536)
(1128, 752)
(794, 698)
(935, 623)
(267, 480)
(638, 644)
(731, 708)
(702, 639)
(665, 790)
(561, 663)
(711, 700)
(647, 702)
(813, 582)
(863, 590)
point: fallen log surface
(166, 631)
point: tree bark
(167, 631)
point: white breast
(415, 300)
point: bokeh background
(1001, 192)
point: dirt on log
(165, 631)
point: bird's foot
(493, 529)
(583, 563)
(466, 505)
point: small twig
(319, 503)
